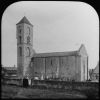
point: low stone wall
(12, 81)
(66, 85)
(55, 84)
(89, 89)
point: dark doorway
(25, 82)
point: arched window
(28, 51)
(20, 39)
(20, 31)
(28, 39)
(20, 51)
(28, 30)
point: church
(66, 66)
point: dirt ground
(9, 91)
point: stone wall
(64, 67)
(66, 85)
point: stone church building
(66, 66)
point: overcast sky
(58, 27)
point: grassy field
(9, 91)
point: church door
(25, 82)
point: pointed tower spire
(24, 20)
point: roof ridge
(56, 54)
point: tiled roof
(24, 20)
(72, 53)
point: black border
(5, 3)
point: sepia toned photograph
(50, 50)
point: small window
(36, 73)
(96, 76)
(51, 62)
(19, 30)
(20, 51)
(28, 51)
(20, 39)
(62, 61)
(28, 39)
(29, 30)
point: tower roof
(24, 20)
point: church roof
(55, 54)
(68, 53)
(24, 20)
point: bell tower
(24, 35)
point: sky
(57, 27)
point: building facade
(9, 72)
(66, 66)
(94, 74)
